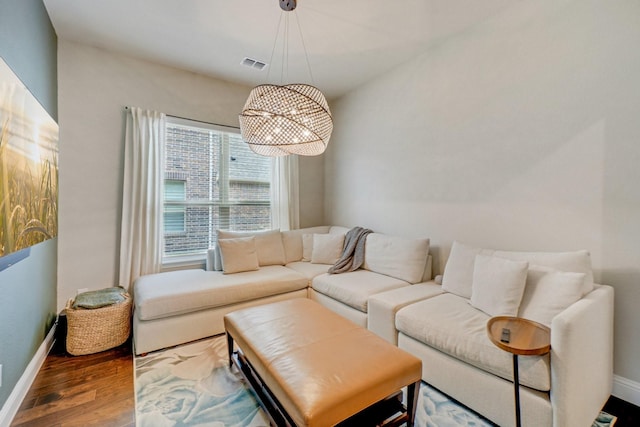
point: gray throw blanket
(352, 256)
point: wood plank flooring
(97, 390)
(92, 390)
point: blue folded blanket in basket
(100, 298)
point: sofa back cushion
(574, 262)
(398, 257)
(338, 229)
(428, 269)
(292, 241)
(458, 272)
(269, 245)
(549, 292)
(307, 246)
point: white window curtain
(141, 237)
(285, 198)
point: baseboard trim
(19, 392)
(626, 389)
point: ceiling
(347, 41)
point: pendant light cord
(284, 67)
(273, 49)
(304, 48)
(284, 63)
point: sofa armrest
(382, 307)
(582, 358)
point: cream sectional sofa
(181, 306)
(441, 321)
(565, 388)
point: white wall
(521, 133)
(94, 87)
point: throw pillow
(498, 285)
(548, 292)
(269, 245)
(292, 242)
(327, 248)
(307, 246)
(238, 255)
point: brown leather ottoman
(316, 367)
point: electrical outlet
(79, 291)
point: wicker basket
(94, 330)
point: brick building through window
(212, 181)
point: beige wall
(522, 133)
(311, 190)
(94, 87)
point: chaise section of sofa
(180, 306)
(175, 307)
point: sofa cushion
(327, 248)
(307, 247)
(549, 292)
(292, 241)
(338, 229)
(354, 288)
(268, 245)
(308, 269)
(451, 325)
(428, 267)
(398, 257)
(575, 262)
(238, 254)
(184, 291)
(498, 285)
(458, 272)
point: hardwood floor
(628, 414)
(92, 390)
(97, 390)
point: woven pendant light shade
(282, 120)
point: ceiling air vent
(252, 63)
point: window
(174, 212)
(212, 181)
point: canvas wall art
(28, 167)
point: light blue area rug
(191, 385)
